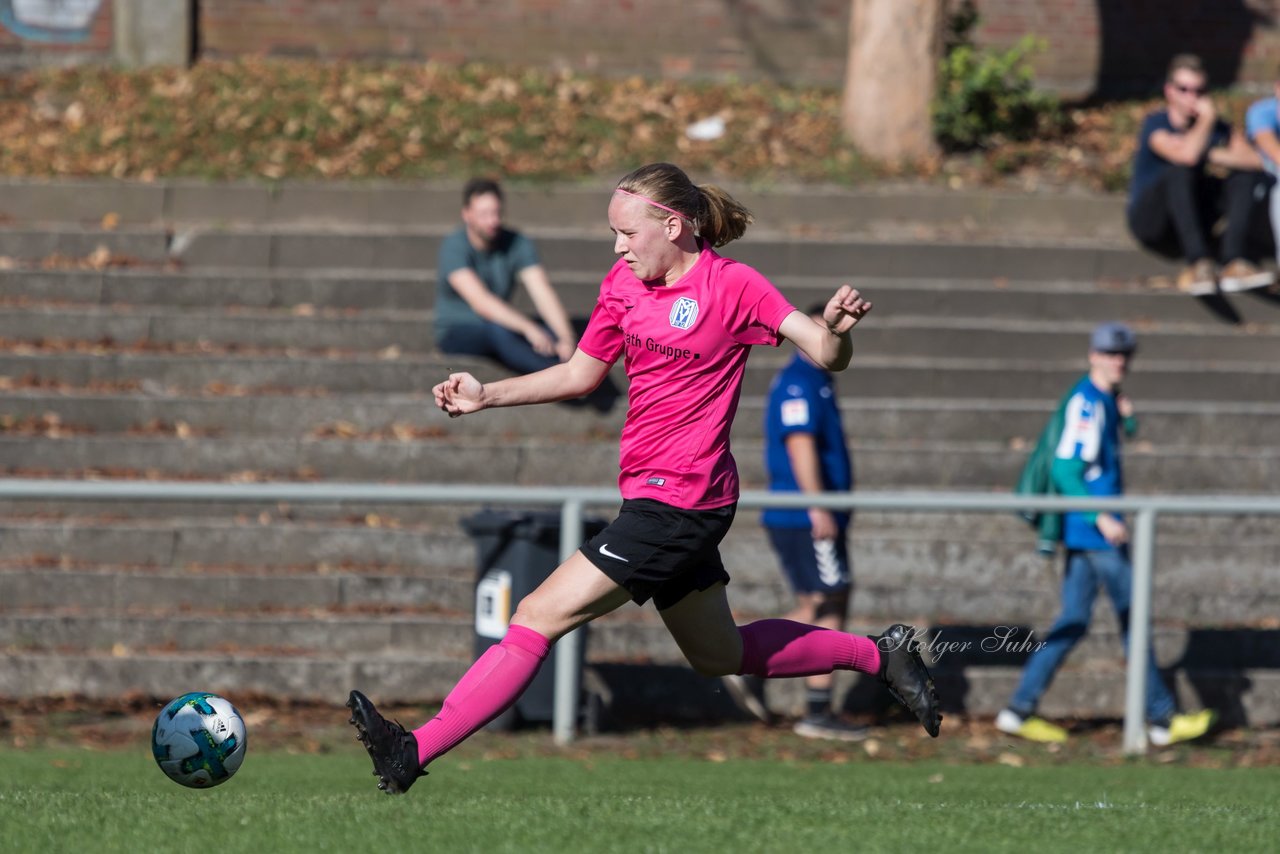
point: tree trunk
(893, 59)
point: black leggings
(1175, 215)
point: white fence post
(1135, 697)
(564, 715)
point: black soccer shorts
(656, 551)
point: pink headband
(650, 201)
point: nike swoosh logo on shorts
(604, 550)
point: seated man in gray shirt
(478, 267)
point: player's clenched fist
(845, 309)
(460, 394)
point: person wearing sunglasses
(1190, 170)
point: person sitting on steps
(1190, 169)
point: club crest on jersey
(683, 313)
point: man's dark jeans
(495, 342)
(1175, 216)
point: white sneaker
(829, 727)
(1242, 275)
(1031, 728)
(1008, 721)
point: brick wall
(1125, 46)
(777, 39)
(17, 52)
(1121, 46)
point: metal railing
(573, 500)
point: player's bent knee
(712, 664)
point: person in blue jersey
(1191, 169)
(805, 451)
(1087, 462)
(1262, 126)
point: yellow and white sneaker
(1031, 728)
(1183, 727)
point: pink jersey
(686, 348)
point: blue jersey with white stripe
(1091, 434)
(802, 399)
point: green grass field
(67, 799)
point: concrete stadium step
(756, 592)
(1000, 297)
(296, 415)
(803, 208)
(444, 637)
(920, 336)
(777, 257)
(550, 460)
(366, 289)
(137, 244)
(991, 573)
(371, 331)
(1162, 422)
(635, 634)
(123, 589)
(996, 297)
(164, 674)
(303, 248)
(876, 376)
(177, 543)
(615, 637)
(379, 615)
(436, 519)
(433, 535)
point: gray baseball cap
(1113, 337)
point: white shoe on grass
(1031, 728)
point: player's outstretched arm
(462, 393)
(828, 343)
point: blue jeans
(1085, 571)
(494, 342)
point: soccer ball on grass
(199, 740)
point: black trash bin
(515, 551)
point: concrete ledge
(167, 675)
(211, 221)
(870, 419)
(779, 258)
(878, 376)
(922, 336)
(609, 639)
(414, 204)
(986, 572)
(36, 201)
(143, 245)
(897, 465)
(242, 593)
(1008, 300)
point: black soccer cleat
(394, 752)
(904, 674)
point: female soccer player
(683, 319)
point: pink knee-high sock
(485, 691)
(788, 648)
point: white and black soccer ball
(199, 740)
